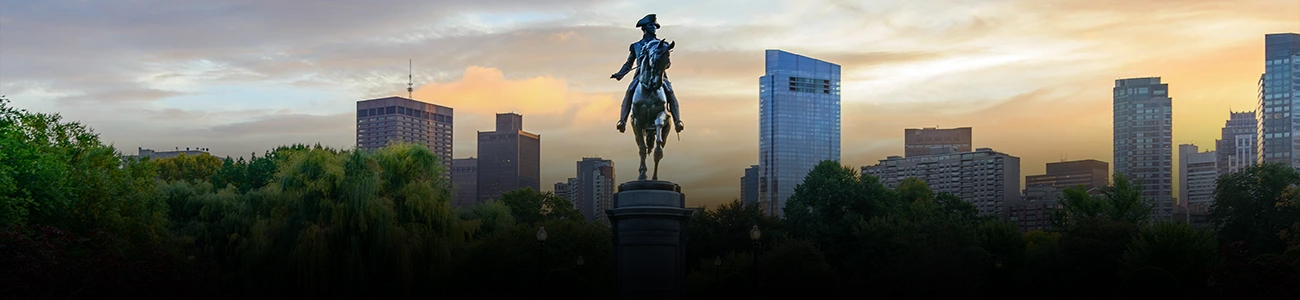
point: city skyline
(209, 81)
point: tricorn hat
(647, 20)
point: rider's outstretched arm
(627, 66)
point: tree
(60, 174)
(191, 168)
(1120, 202)
(888, 242)
(330, 223)
(519, 267)
(1045, 265)
(711, 233)
(1092, 248)
(1190, 254)
(1250, 206)
(1125, 202)
(830, 203)
(78, 217)
(530, 206)
(487, 217)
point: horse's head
(654, 61)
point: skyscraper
(1235, 150)
(397, 119)
(508, 158)
(464, 180)
(1196, 175)
(1275, 142)
(749, 186)
(926, 141)
(595, 187)
(799, 123)
(1143, 119)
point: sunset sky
(1032, 77)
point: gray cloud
(288, 124)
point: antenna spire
(410, 81)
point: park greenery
(80, 220)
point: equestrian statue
(648, 94)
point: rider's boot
(627, 108)
(672, 105)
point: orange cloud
(483, 89)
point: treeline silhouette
(82, 221)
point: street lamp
(541, 255)
(754, 235)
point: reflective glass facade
(799, 123)
(1276, 140)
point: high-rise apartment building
(749, 186)
(926, 141)
(397, 119)
(986, 178)
(602, 192)
(508, 158)
(1043, 192)
(1235, 149)
(1275, 141)
(1197, 172)
(799, 123)
(464, 182)
(1143, 137)
(595, 187)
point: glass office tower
(799, 123)
(1277, 97)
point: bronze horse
(649, 118)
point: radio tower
(409, 81)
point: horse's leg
(659, 126)
(639, 134)
(659, 154)
(660, 135)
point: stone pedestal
(649, 226)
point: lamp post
(754, 235)
(541, 258)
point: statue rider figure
(648, 25)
